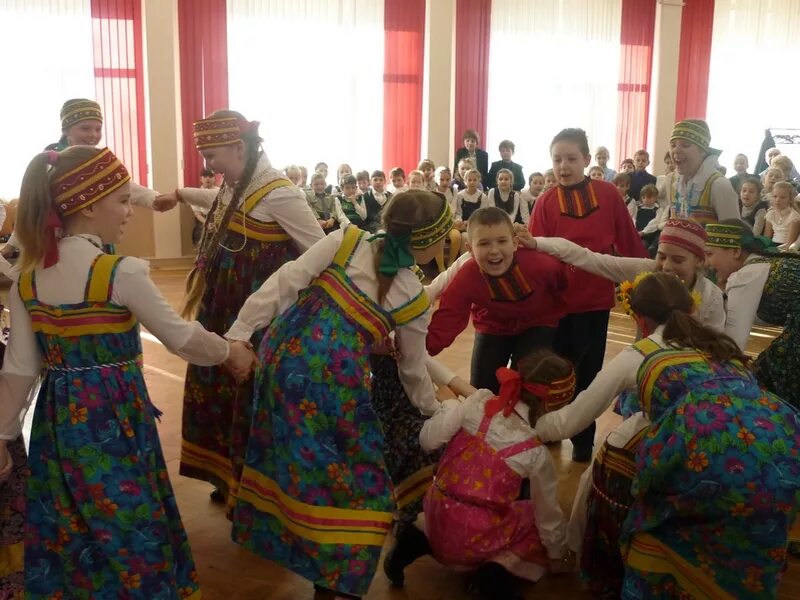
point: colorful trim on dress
(414, 487)
(512, 286)
(648, 554)
(578, 202)
(263, 231)
(654, 365)
(353, 303)
(320, 524)
(89, 182)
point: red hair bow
(552, 395)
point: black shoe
(581, 455)
(409, 544)
(217, 496)
(492, 582)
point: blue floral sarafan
(102, 521)
(717, 486)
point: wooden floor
(231, 573)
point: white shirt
(526, 203)
(781, 221)
(743, 292)
(65, 283)
(622, 268)
(464, 196)
(358, 203)
(285, 205)
(617, 376)
(535, 464)
(280, 291)
(450, 196)
(380, 197)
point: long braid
(209, 245)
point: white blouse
(781, 221)
(617, 376)
(743, 295)
(285, 205)
(526, 203)
(535, 464)
(281, 290)
(494, 193)
(464, 196)
(65, 283)
(623, 268)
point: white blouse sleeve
(443, 425)
(411, 366)
(440, 375)
(22, 364)
(280, 291)
(615, 377)
(442, 280)
(288, 206)
(744, 289)
(725, 200)
(576, 528)
(142, 196)
(615, 268)
(189, 340)
(201, 198)
(458, 215)
(341, 218)
(546, 509)
(760, 222)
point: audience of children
(626, 166)
(350, 205)
(322, 203)
(506, 149)
(640, 177)
(601, 156)
(596, 172)
(504, 195)
(528, 196)
(646, 216)
(753, 206)
(740, 165)
(428, 169)
(782, 220)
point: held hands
(524, 236)
(241, 360)
(165, 202)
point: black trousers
(491, 352)
(581, 338)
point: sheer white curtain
(552, 64)
(46, 47)
(312, 72)
(753, 83)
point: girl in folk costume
(314, 494)
(258, 222)
(472, 515)
(761, 281)
(696, 189)
(717, 475)
(101, 515)
(590, 213)
(681, 252)
(603, 496)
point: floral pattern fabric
(315, 455)
(216, 408)
(778, 366)
(717, 484)
(102, 520)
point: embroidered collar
(511, 286)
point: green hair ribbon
(396, 253)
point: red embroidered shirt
(527, 295)
(593, 215)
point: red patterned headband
(220, 131)
(553, 395)
(91, 181)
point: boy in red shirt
(592, 214)
(512, 294)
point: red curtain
(697, 23)
(473, 25)
(404, 65)
(119, 80)
(202, 30)
(635, 70)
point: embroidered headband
(736, 236)
(79, 109)
(427, 236)
(626, 289)
(553, 395)
(221, 131)
(695, 131)
(685, 234)
(91, 181)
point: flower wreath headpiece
(626, 289)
